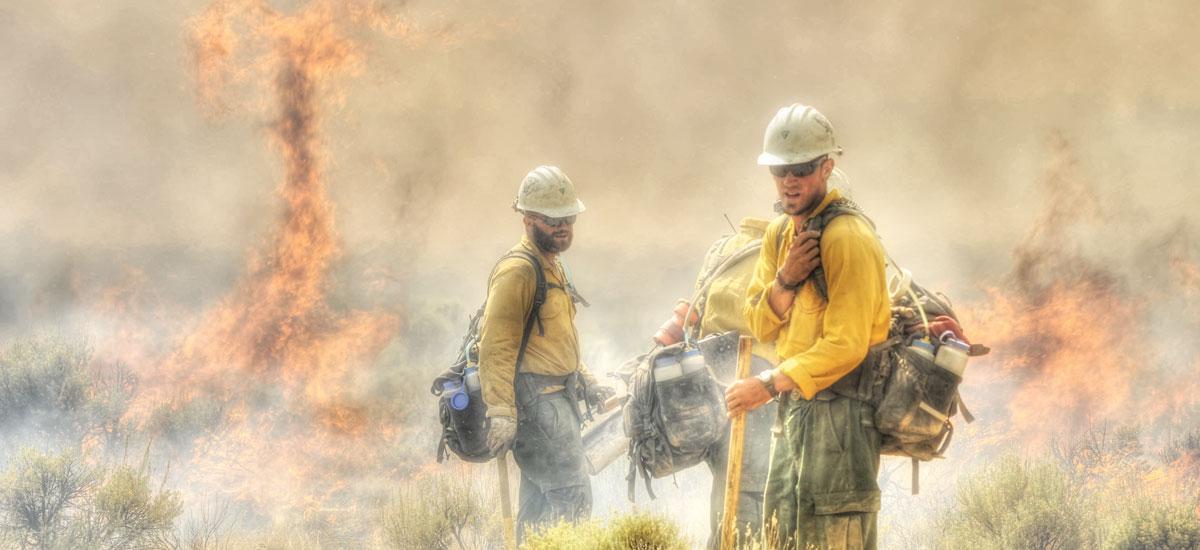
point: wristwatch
(767, 378)
(784, 285)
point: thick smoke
(128, 205)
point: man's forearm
(780, 299)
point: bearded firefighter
(529, 364)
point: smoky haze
(112, 174)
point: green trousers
(549, 451)
(822, 491)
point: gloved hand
(501, 432)
(671, 331)
(597, 394)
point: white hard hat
(547, 191)
(796, 135)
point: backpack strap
(818, 223)
(539, 298)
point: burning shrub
(179, 423)
(632, 532)
(1018, 505)
(1158, 526)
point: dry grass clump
(447, 510)
(635, 531)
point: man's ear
(827, 167)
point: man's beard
(546, 243)
(804, 208)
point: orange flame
(1076, 335)
(277, 359)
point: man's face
(800, 195)
(550, 235)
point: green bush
(36, 497)
(438, 511)
(47, 376)
(53, 501)
(1017, 505)
(124, 512)
(631, 532)
(51, 386)
(1157, 527)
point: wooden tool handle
(510, 530)
(733, 468)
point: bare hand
(748, 394)
(802, 258)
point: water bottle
(667, 368)
(692, 361)
(452, 391)
(471, 379)
(952, 356)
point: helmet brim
(561, 212)
(769, 159)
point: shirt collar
(831, 196)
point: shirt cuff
(804, 381)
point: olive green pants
(821, 489)
(549, 451)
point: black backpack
(465, 431)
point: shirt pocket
(808, 299)
(557, 305)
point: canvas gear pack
(914, 398)
(675, 412)
(464, 432)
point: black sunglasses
(799, 170)
(554, 222)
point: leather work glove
(802, 258)
(597, 394)
(501, 433)
(671, 331)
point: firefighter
(821, 489)
(529, 364)
(719, 311)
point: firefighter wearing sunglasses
(529, 362)
(821, 489)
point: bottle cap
(923, 345)
(459, 400)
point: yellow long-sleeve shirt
(819, 342)
(726, 294)
(510, 295)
